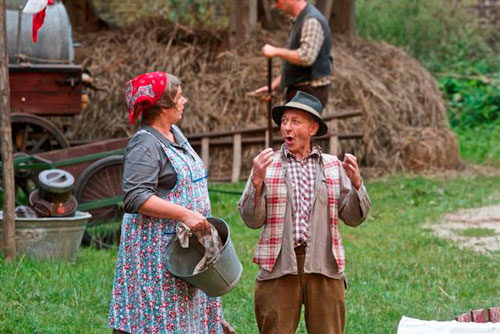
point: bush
(438, 33)
(470, 102)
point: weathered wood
(8, 222)
(76, 169)
(49, 90)
(342, 20)
(205, 151)
(235, 175)
(263, 140)
(267, 141)
(334, 144)
(337, 115)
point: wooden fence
(240, 137)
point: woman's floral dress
(146, 297)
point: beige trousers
(278, 302)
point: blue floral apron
(146, 297)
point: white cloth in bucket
(212, 244)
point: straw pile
(400, 100)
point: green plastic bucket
(220, 277)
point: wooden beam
(8, 221)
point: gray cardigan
(146, 168)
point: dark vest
(292, 74)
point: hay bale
(428, 148)
(394, 91)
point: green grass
(395, 267)
(480, 144)
(476, 232)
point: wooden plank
(235, 175)
(478, 315)
(8, 220)
(49, 92)
(205, 151)
(337, 115)
(262, 140)
(80, 151)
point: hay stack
(400, 99)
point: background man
(306, 58)
(296, 195)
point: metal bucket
(52, 238)
(219, 277)
(55, 42)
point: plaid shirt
(311, 40)
(302, 176)
(271, 237)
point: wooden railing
(252, 136)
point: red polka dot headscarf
(143, 92)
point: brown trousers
(320, 92)
(278, 302)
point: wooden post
(342, 20)
(235, 175)
(333, 128)
(8, 222)
(205, 151)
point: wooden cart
(97, 168)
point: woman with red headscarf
(164, 183)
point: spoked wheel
(32, 134)
(99, 191)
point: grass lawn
(395, 267)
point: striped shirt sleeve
(312, 37)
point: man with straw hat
(306, 57)
(296, 196)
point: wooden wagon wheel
(32, 134)
(99, 188)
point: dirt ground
(460, 227)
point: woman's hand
(196, 222)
